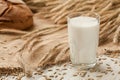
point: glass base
(84, 65)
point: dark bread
(14, 14)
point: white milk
(83, 38)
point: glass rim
(96, 14)
(86, 12)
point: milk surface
(83, 39)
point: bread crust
(14, 14)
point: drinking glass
(83, 35)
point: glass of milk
(83, 34)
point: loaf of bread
(14, 14)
